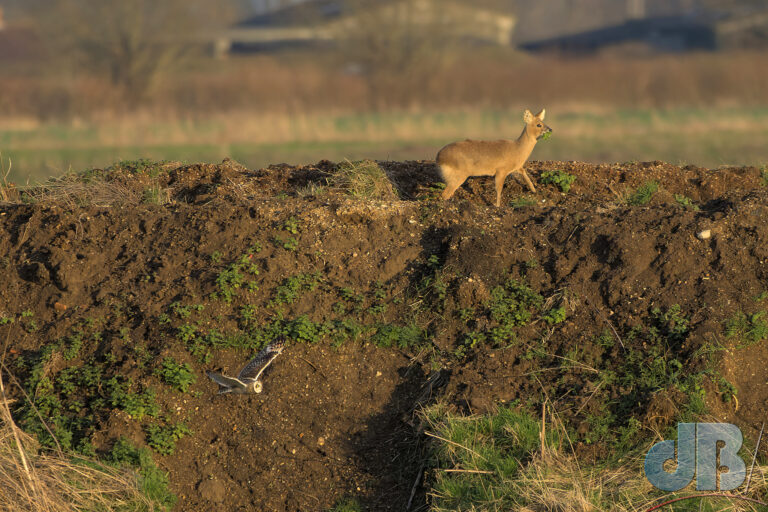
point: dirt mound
(636, 298)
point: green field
(706, 137)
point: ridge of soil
(337, 421)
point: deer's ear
(527, 116)
(541, 114)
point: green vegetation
(747, 329)
(347, 505)
(522, 202)
(764, 176)
(643, 194)
(686, 202)
(512, 305)
(136, 404)
(485, 456)
(178, 376)
(388, 335)
(234, 276)
(68, 482)
(555, 315)
(291, 225)
(163, 438)
(146, 166)
(153, 482)
(157, 195)
(559, 178)
(363, 179)
(501, 461)
(292, 287)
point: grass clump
(363, 179)
(347, 505)
(748, 329)
(153, 482)
(501, 461)
(156, 195)
(32, 479)
(559, 178)
(8, 191)
(643, 194)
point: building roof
(296, 15)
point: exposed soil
(340, 420)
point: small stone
(378, 374)
(320, 441)
(58, 306)
(704, 235)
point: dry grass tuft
(73, 191)
(8, 191)
(363, 179)
(31, 481)
(512, 461)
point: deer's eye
(538, 126)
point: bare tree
(131, 41)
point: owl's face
(256, 387)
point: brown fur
(499, 158)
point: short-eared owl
(247, 381)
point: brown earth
(340, 419)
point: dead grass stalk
(33, 481)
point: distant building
(692, 29)
(321, 22)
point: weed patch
(686, 203)
(643, 194)
(178, 376)
(292, 287)
(163, 439)
(237, 275)
(747, 329)
(560, 179)
(388, 335)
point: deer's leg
(528, 180)
(452, 182)
(500, 177)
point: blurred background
(85, 83)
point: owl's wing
(223, 380)
(252, 371)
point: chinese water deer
(499, 158)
